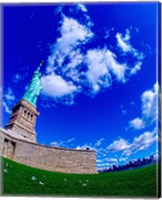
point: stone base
(23, 120)
(46, 157)
(19, 130)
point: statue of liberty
(34, 87)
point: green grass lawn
(19, 179)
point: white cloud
(137, 123)
(149, 109)
(76, 58)
(123, 42)
(112, 160)
(62, 143)
(70, 140)
(73, 69)
(97, 146)
(136, 68)
(127, 152)
(124, 111)
(99, 142)
(117, 69)
(58, 10)
(139, 143)
(82, 7)
(55, 86)
(17, 78)
(9, 95)
(118, 145)
(104, 165)
(101, 65)
(7, 108)
(86, 146)
(143, 141)
(149, 105)
(56, 144)
(97, 69)
(8, 100)
(123, 159)
(72, 34)
(108, 32)
(20, 75)
(99, 161)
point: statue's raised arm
(34, 87)
(40, 65)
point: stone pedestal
(23, 120)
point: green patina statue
(34, 87)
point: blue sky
(99, 77)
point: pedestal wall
(47, 157)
